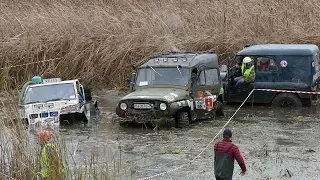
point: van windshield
(163, 76)
(47, 93)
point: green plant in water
(160, 123)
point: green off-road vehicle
(182, 85)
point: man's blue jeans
(239, 81)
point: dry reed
(20, 153)
(98, 41)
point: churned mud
(275, 143)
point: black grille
(154, 103)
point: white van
(54, 101)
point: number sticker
(284, 63)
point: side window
(78, 87)
(81, 90)
(266, 64)
(208, 77)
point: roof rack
(169, 52)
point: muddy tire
(182, 119)
(286, 100)
(307, 102)
(219, 108)
(82, 117)
(67, 119)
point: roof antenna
(247, 45)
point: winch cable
(177, 168)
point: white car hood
(47, 107)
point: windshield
(41, 94)
(163, 76)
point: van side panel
(296, 71)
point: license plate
(142, 106)
(43, 115)
(54, 113)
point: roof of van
(280, 49)
(54, 83)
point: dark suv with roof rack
(182, 85)
(281, 71)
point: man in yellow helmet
(50, 161)
(248, 73)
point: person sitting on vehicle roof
(248, 73)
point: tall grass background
(99, 40)
(20, 153)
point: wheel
(182, 119)
(307, 102)
(286, 100)
(82, 117)
(219, 108)
(67, 119)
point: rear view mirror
(224, 68)
(131, 81)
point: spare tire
(219, 108)
(286, 100)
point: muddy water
(275, 144)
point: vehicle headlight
(163, 106)
(69, 108)
(123, 106)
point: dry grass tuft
(100, 40)
(20, 153)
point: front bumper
(44, 122)
(142, 115)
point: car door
(208, 84)
(267, 77)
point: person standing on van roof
(248, 73)
(224, 154)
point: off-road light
(163, 106)
(123, 106)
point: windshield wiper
(180, 72)
(32, 102)
(57, 99)
(155, 71)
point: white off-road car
(54, 101)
